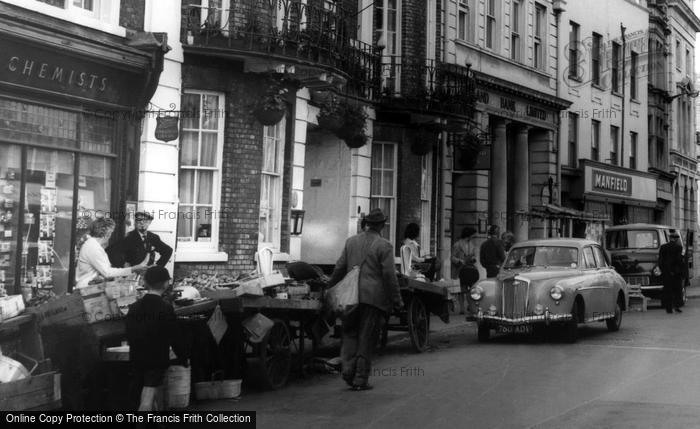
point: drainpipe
(558, 7)
(624, 102)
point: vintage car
(549, 282)
(634, 253)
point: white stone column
(499, 175)
(158, 166)
(521, 197)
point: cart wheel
(276, 356)
(418, 324)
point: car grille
(637, 280)
(514, 299)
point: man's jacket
(133, 250)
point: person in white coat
(92, 257)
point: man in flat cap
(139, 245)
(671, 264)
(378, 296)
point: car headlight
(556, 293)
(656, 271)
(476, 293)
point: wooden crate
(39, 392)
(65, 310)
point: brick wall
(242, 162)
(131, 14)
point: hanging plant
(272, 107)
(469, 145)
(330, 115)
(353, 129)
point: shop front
(68, 140)
(617, 195)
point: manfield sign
(604, 181)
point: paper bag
(345, 293)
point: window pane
(205, 187)
(186, 186)
(203, 224)
(188, 148)
(190, 106)
(210, 114)
(388, 156)
(96, 134)
(184, 223)
(10, 169)
(376, 182)
(209, 152)
(48, 215)
(31, 123)
(388, 183)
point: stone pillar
(499, 175)
(521, 189)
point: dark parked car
(634, 251)
(549, 282)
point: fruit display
(203, 281)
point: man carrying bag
(378, 294)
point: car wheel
(571, 328)
(614, 323)
(484, 332)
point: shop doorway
(619, 212)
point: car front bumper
(546, 318)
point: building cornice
(686, 13)
(484, 81)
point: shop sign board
(607, 182)
(42, 67)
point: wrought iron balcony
(428, 86)
(305, 32)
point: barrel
(177, 387)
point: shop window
(10, 172)
(540, 36)
(271, 186)
(383, 185)
(426, 186)
(201, 150)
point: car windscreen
(548, 256)
(632, 239)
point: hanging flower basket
(331, 123)
(272, 107)
(268, 116)
(469, 146)
(331, 113)
(356, 141)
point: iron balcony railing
(427, 85)
(310, 32)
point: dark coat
(151, 329)
(378, 285)
(671, 261)
(133, 251)
(491, 255)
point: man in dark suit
(139, 244)
(378, 295)
(491, 253)
(672, 268)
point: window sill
(616, 93)
(597, 86)
(635, 101)
(200, 256)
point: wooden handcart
(271, 358)
(420, 300)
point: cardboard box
(250, 287)
(274, 279)
(97, 309)
(11, 306)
